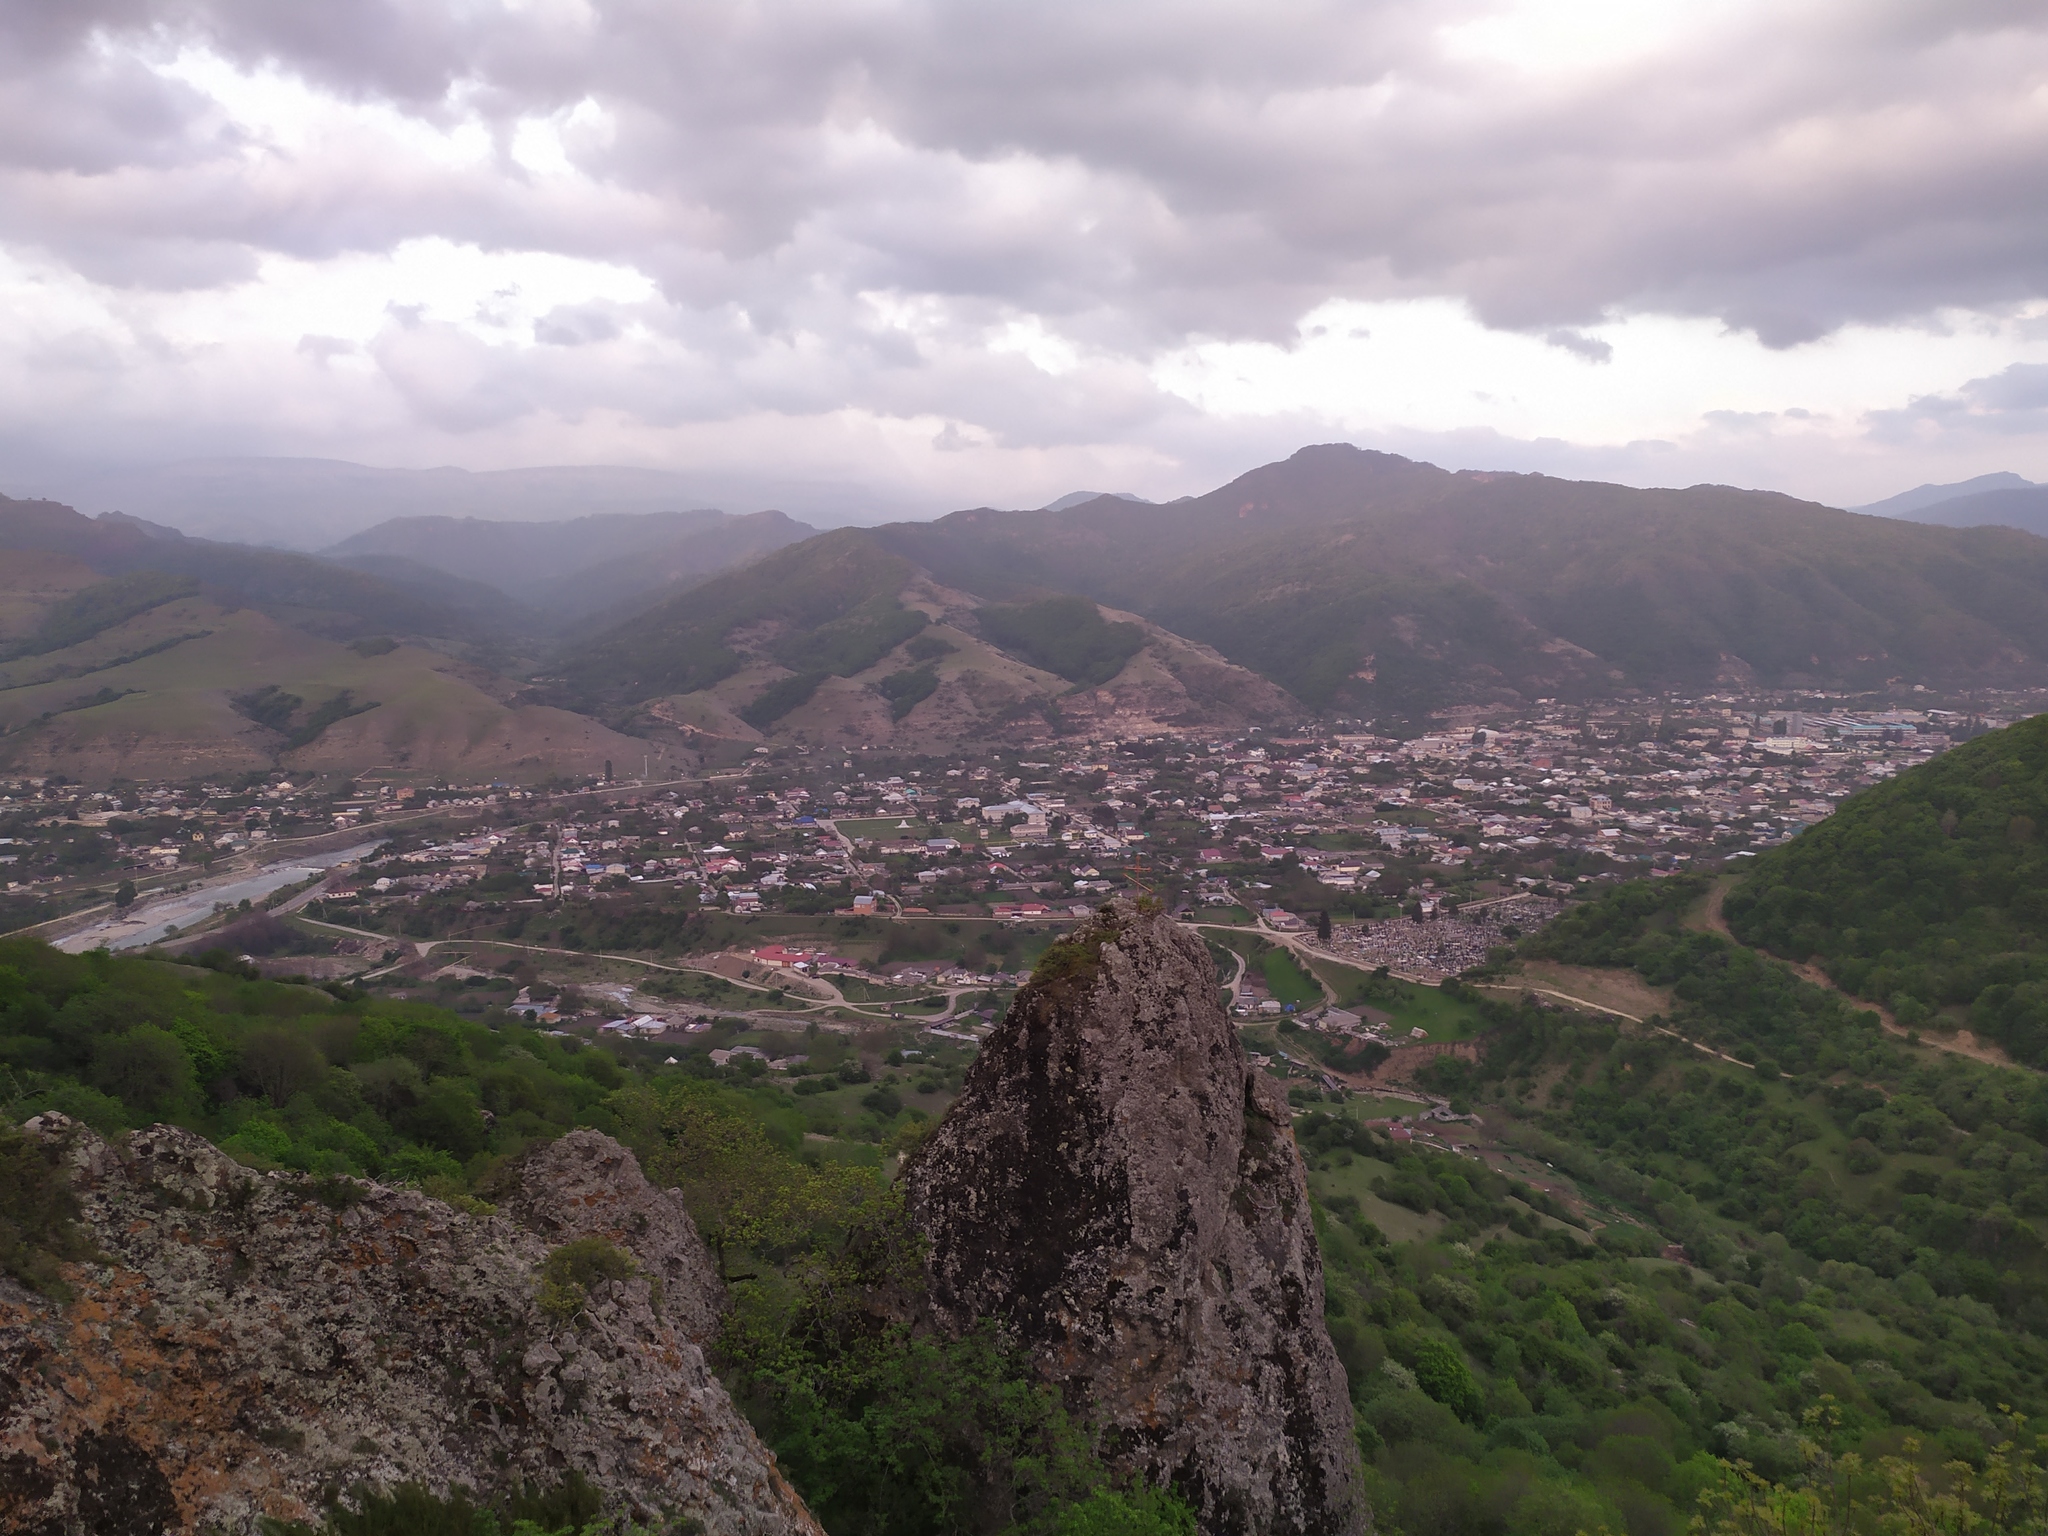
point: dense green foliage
(269, 706)
(884, 1425)
(286, 1076)
(1866, 1284)
(908, 689)
(1067, 636)
(329, 711)
(853, 643)
(1852, 1145)
(1928, 893)
(780, 697)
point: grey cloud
(841, 204)
(1579, 344)
(576, 326)
(1205, 168)
(2008, 404)
(2022, 387)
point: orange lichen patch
(161, 1397)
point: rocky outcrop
(1120, 1188)
(254, 1344)
(585, 1184)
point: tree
(1323, 927)
(745, 1192)
(124, 895)
(280, 1063)
(146, 1069)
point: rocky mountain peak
(244, 1345)
(1122, 1189)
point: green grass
(1409, 1005)
(1334, 1176)
(884, 828)
(1286, 980)
(1445, 1018)
(1236, 917)
(858, 991)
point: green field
(1287, 981)
(1410, 1006)
(1348, 1174)
(884, 828)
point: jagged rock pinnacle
(1122, 1189)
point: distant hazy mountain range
(1337, 582)
(570, 569)
(311, 503)
(2003, 500)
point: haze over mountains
(1337, 582)
(575, 567)
(2001, 500)
(308, 504)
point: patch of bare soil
(1613, 991)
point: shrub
(572, 1269)
(37, 1211)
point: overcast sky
(988, 251)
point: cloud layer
(943, 244)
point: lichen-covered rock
(585, 1184)
(251, 1345)
(1121, 1188)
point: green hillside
(826, 607)
(1067, 636)
(1927, 894)
(1863, 1270)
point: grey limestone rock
(1119, 1186)
(585, 1184)
(248, 1344)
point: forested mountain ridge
(317, 595)
(1927, 894)
(1362, 580)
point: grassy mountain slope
(128, 650)
(1363, 580)
(828, 606)
(191, 688)
(1928, 893)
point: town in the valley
(798, 908)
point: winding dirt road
(1961, 1043)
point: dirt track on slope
(1960, 1043)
